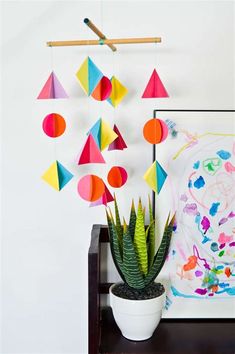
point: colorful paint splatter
(202, 255)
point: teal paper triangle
(95, 131)
(63, 174)
(161, 176)
(94, 75)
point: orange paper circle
(91, 188)
(53, 125)
(103, 89)
(155, 131)
(117, 176)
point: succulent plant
(133, 246)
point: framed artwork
(199, 157)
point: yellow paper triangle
(118, 92)
(107, 135)
(51, 176)
(150, 177)
(82, 76)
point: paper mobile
(103, 90)
(57, 176)
(52, 89)
(155, 87)
(53, 125)
(155, 177)
(118, 92)
(117, 176)
(118, 143)
(90, 153)
(155, 131)
(102, 133)
(104, 199)
(91, 188)
(88, 75)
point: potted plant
(138, 300)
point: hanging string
(101, 26)
(101, 15)
(53, 104)
(155, 59)
(114, 108)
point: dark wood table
(171, 337)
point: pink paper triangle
(52, 89)
(90, 153)
(104, 200)
(155, 87)
(118, 143)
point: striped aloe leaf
(114, 245)
(161, 254)
(118, 223)
(151, 246)
(140, 241)
(132, 273)
(132, 220)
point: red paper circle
(117, 176)
(155, 131)
(103, 89)
(53, 125)
(91, 188)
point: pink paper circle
(103, 89)
(117, 176)
(53, 125)
(91, 188)
(155, 131)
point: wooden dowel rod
(98, 32)
(105, 41)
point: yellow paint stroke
(195, 139)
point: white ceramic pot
(137, 319)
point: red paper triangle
(155, 87)
(90, 153)
(118, 143)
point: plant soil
(124, 291)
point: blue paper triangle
(63, 174)
(95, 131)
(94, 75)
(161, 176)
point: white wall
(46, 234)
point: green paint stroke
(212, 165)
(221, 253)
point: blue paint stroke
(214, 208)
(223, 285)
(223, 154)
(175, 292)
(229, 291)
(199, 183)
(168, 303)
(219, 267)
(214, 246)
(196, 165)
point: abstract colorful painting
(201, 260)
